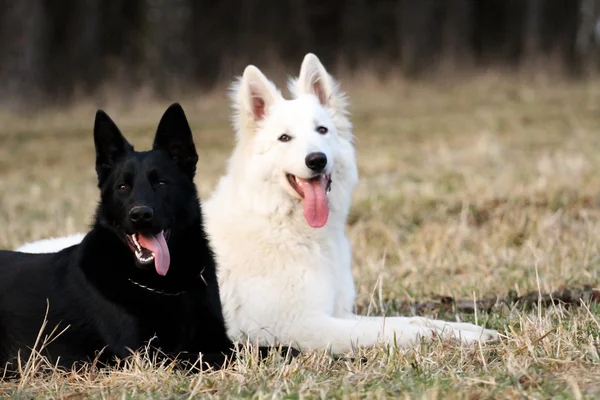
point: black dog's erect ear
(175, 137)
(109, 142)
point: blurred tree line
(54, 48)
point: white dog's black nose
(139, 214)
(316, 161)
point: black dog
(143, 274)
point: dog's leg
(440, 324)
(467, 332)
(341, 335)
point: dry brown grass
(467, 189)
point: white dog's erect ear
(314, 79)
(259, 93)
(252, 96)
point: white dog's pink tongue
(316, 208)
(158, 246)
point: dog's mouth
(151, 249)
(313, 192)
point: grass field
(467, 189)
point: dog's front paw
(473, 336)
(466, 332)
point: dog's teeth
(143, 259)
(147, 259)
(133, 237)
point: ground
(468, 189)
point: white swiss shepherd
(276, 222)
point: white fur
(51, 245)
(281, 281)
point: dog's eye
(123, 187)
(161, 183)
(284, 138)
(322, 130)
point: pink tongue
(316, 209)
(158, 246)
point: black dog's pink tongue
(316, 208)
(158, 246)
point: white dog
(276, 222)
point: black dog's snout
(141, 214)
(316, 161)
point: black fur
(108, 301)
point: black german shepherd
(143, 274)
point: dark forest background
(55, 49)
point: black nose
(141, 214)
(316, 161)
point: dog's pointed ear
(110, 144)
(252, 95)
(314, 79)
(174, 136)
(259, 93)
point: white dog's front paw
(407, 332)
(409, 337)
(463, 331)
(472, 336)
